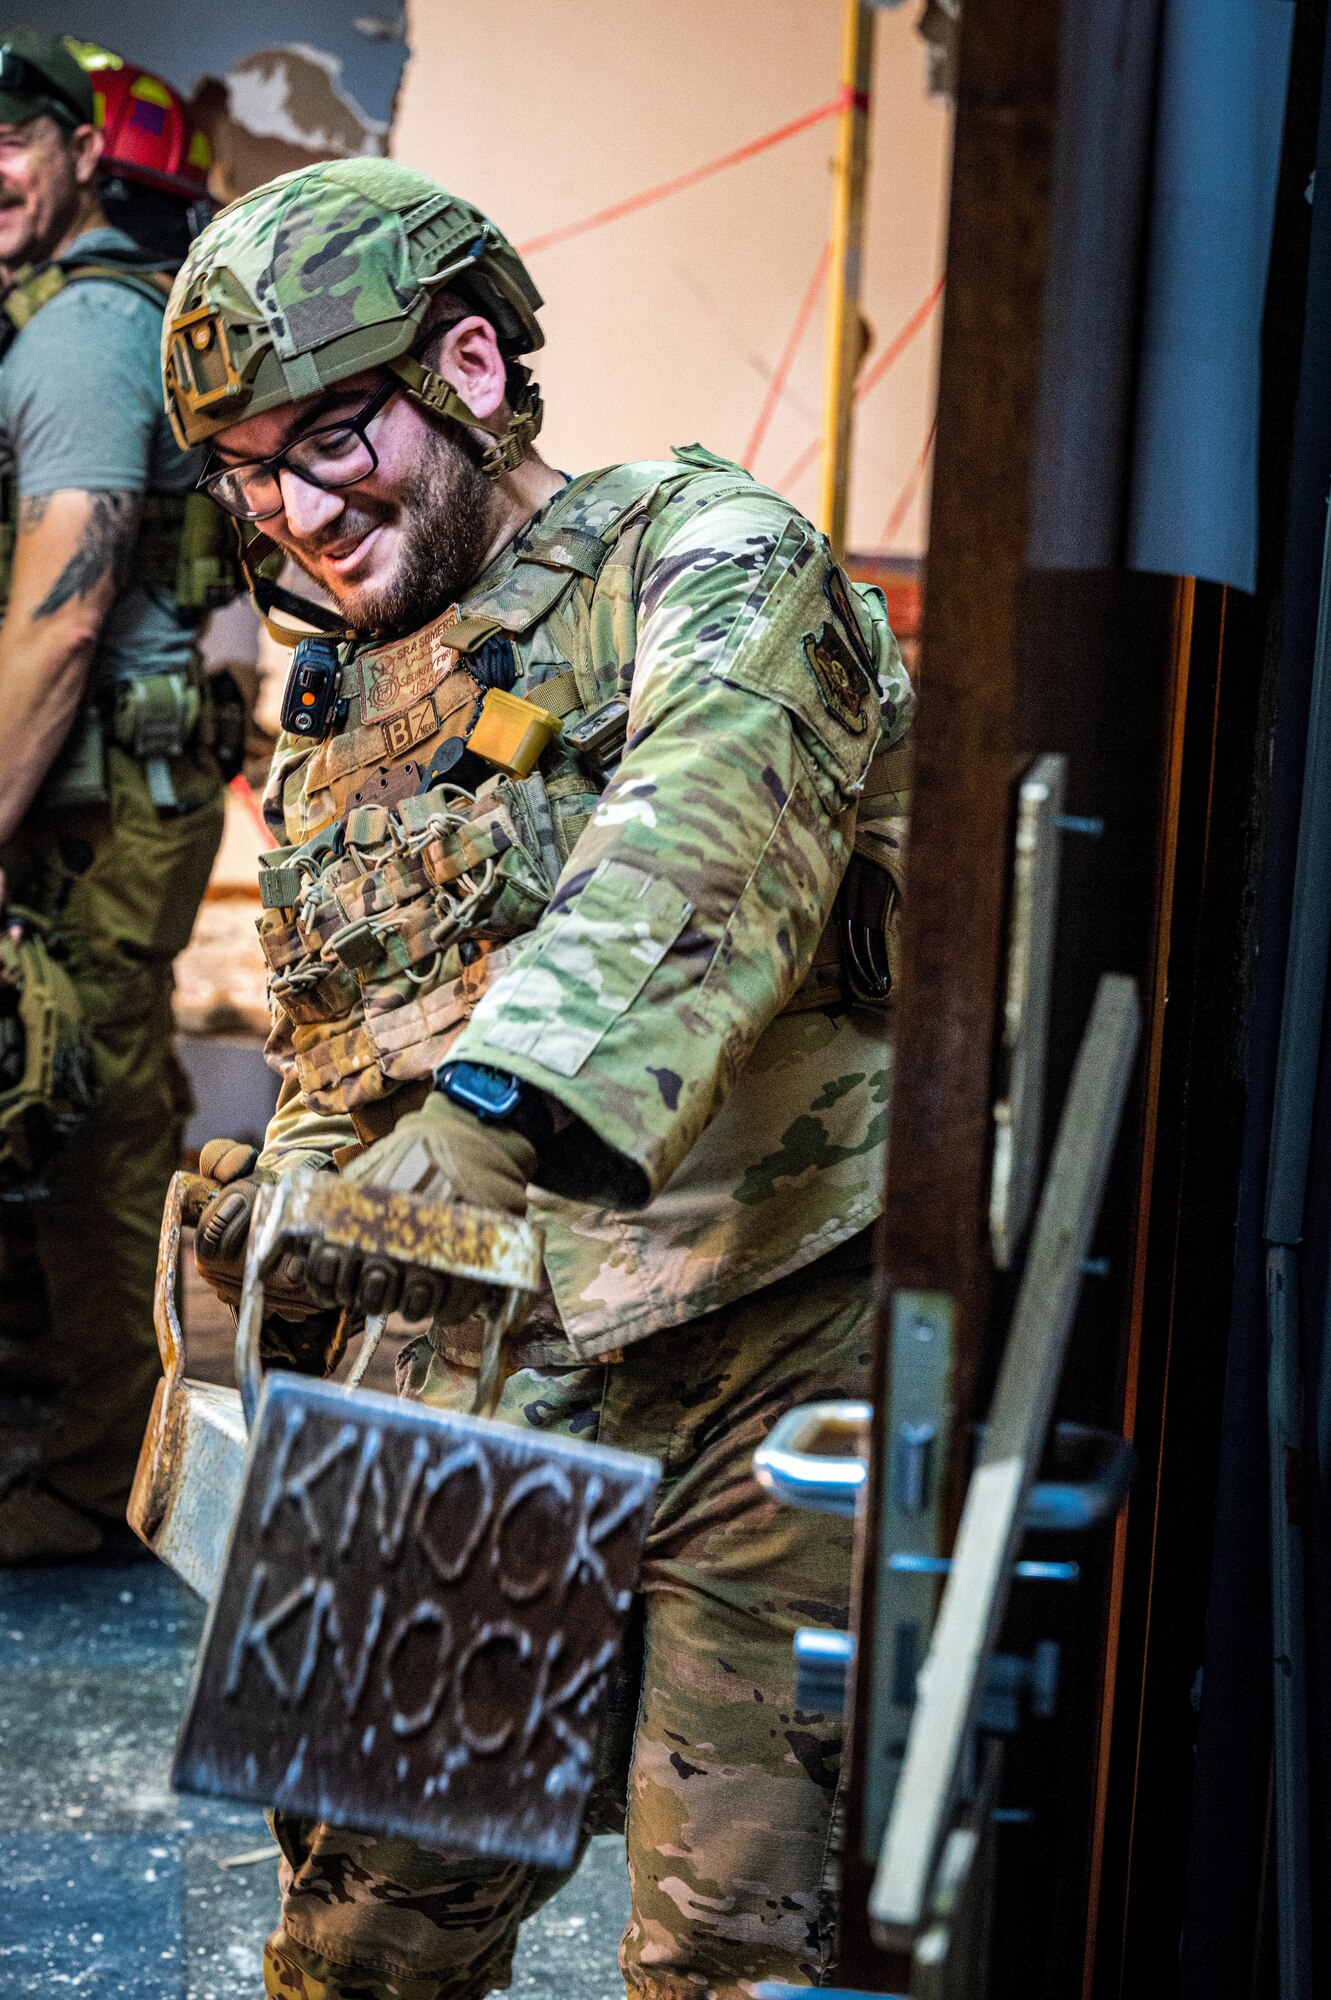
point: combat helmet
(328, 271)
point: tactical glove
(440, 1153)
(223, 1229)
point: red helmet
(146, 127)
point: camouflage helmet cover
(328, 271)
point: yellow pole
(842, 350)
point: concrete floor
(114, 1886)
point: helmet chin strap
(509, 446)
(262, 560)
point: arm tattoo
(31, 513)
(113, 526)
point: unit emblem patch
(843, 685)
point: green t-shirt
(81, 406)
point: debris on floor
(116, 1886)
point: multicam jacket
(655, 946)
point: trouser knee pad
(290, 1972)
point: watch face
(487, 1092)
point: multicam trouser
(123, 883)
(725, 1791)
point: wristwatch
(497, 1098)
(571, 1159)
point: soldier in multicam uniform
(584, 909)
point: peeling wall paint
(666, 325)
(359, 46)
(279, 108)
(296, 93)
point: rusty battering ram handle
(453, 1238)
(186, 1199)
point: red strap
(870, 379)
(748, 151)
(897, 346)
(244, 791)
(787, 361)
(907, 493)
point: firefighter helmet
(148, 134)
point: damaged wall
(274, 87)
(666, 325)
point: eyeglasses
(333, 456)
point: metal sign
(417, 1623)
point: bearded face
(393, 564)
(394, 533)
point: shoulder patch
(844, 687)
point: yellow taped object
(511, 733)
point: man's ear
(85, 146)
(468, 357)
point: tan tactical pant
(76, 1268)
(730, 1790)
